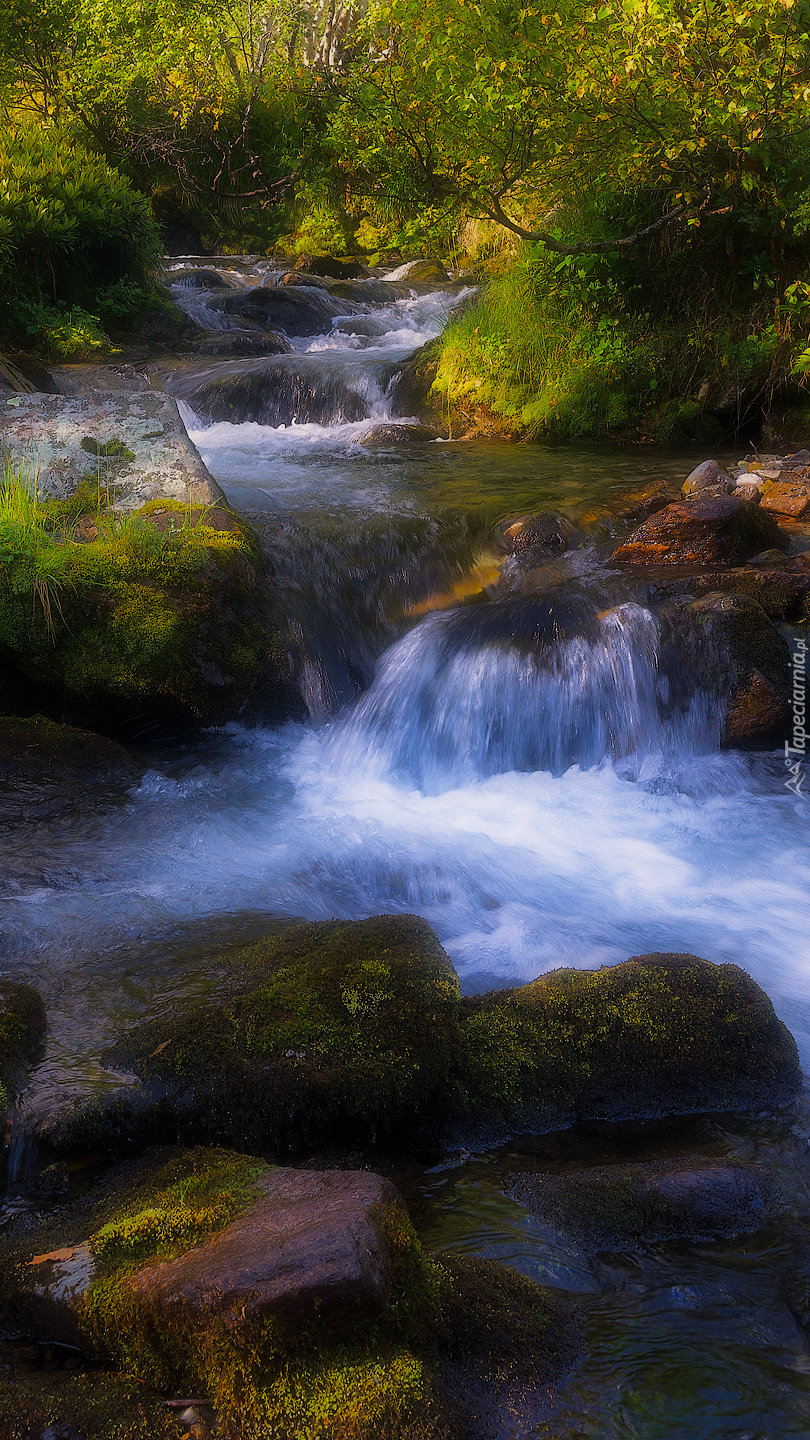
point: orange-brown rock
(788, 497)
(757, 709)
(717, 531)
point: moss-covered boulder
(656, 1200)
(35, 749)
(22, 1025)
(354, 1034)
(340, 1031)
(660, 1034)
(164, 615)
(450, 1352)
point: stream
(508, 758)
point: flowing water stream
(517, 760)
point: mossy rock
(168, 619)
(458, 1346)
(660, 1034)
(34, 748)
(657, 1200)
(22, 1026)
(343, 1032)
(80, 1406)
(744, 661)
(354, 1034)
(780, 593)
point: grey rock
(704, 475)
(295, 310)
(133, 446)
(388, 437)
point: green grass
(42, 556)
(554, 348)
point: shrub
(75, 239)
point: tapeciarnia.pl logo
(798, 749)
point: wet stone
(688, 1199)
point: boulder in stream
(718, 531)
(330, 268)
(396, 437)
(291, 1301)
(421, 272)
(354, 1033)
(295, 310)
(744, 660)
(617, 1205)
(33, 748)
(272, 391)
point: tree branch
(597, 247)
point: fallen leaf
(54, 1255)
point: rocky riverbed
(518, 675)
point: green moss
(657, 1033)
(742, 639)
(349, 1035)
(91, 1405)
(171, 618)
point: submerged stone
(611, 1205)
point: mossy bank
(162, 615)
(354, 1034)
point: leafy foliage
(72, 233)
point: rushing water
(511, 753)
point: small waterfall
(283, 390)
(521, 685)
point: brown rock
(716, 531)
(780, 592)
(746, 661)
(756, 710)
(312, 1248)
(788, 498)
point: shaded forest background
(629, 182)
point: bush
(74, 238)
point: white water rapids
(540, 801)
